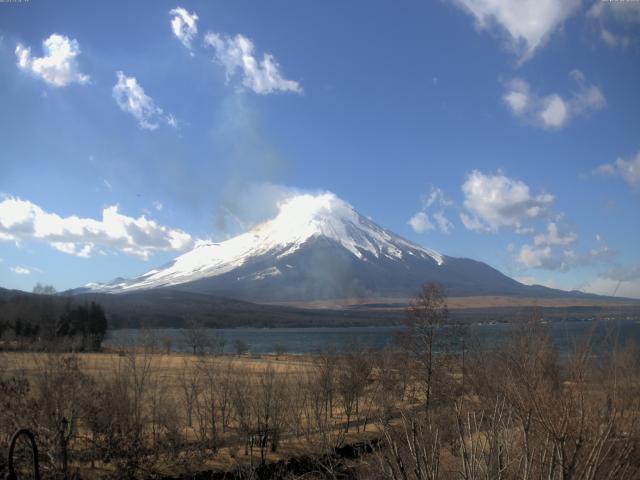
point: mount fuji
(317, 248)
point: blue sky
(130, 130)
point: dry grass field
(172, 365)
(473, 302)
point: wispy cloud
(184, 26)
(131, 98)
(552, 111)
(629, 170)
(22, 220)
(20, 270)
(58, 66)
(616, 22)
(434, 200)
(444, 225)
(237, 54)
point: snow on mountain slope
(300, 219)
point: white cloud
(518, 97)
(20, 270)
(58, 66)
(493, 201)
(71, 248)
(554, 236)
(23, 220)
(237, 54)
(420, 222)
(184, 26)
(130, 97)
(158, 205)
(546, 257)
(541, 257)
(527, 23)
(629, 170)
(549, 250)
(552, 111)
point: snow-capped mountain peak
(300, 219)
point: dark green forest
(42, 318)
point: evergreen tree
(97, 327)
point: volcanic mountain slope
(318, 247)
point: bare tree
(44, 289)
(411, 451)
(190, 387)
(241, 393)
(279, 349)
(426, 314)
(241, 347)
(196, 336)
(217, 344)
(324, 363)
(57, 386)
(353, 375)
(268, 408)
(210, 400)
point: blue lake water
(307, 340)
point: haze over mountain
(318, 247)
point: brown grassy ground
(170, 364)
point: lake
(307, 340)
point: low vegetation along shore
(418, 411)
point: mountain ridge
(318, 247)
